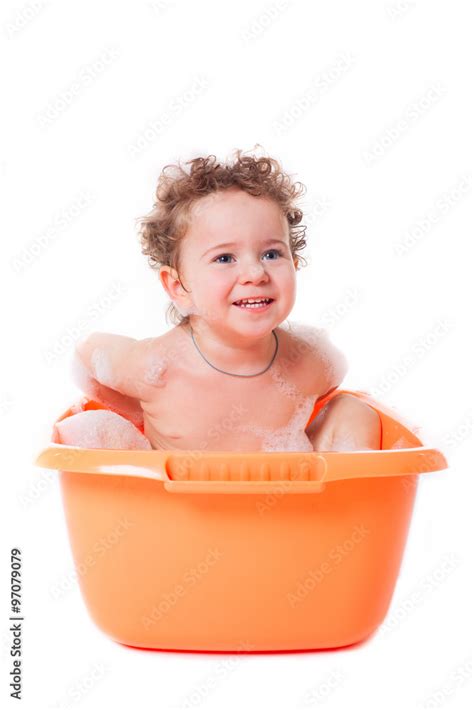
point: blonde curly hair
(162, 229)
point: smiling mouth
(253, 303)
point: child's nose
(252, 271)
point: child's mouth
(255, 305)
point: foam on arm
(324, 365)
(334, 364)
(125, 365)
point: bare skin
(345, 424)
(185, 404)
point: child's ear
(170, 281)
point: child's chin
(253, 322)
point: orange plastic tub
(230, 551)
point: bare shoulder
(157, 356)
(309, 352)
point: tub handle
(195, 472)
(255, 472)
(235, 487)
(115, 462)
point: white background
(367, 104)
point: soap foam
(309, 339)
(100, 429)
(156, 369)
(293, 437)
(101, 367)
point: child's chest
(226, 413)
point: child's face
(257, 262)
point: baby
(226, 241)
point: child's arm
(117, 370)
(331, 364)
(321, 364)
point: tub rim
(198, 471)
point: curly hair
(162, 229)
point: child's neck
(233, 353)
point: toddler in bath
(231, 375)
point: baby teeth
(252, 305)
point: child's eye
(220, 257)
(277, 251)
(269, 251)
